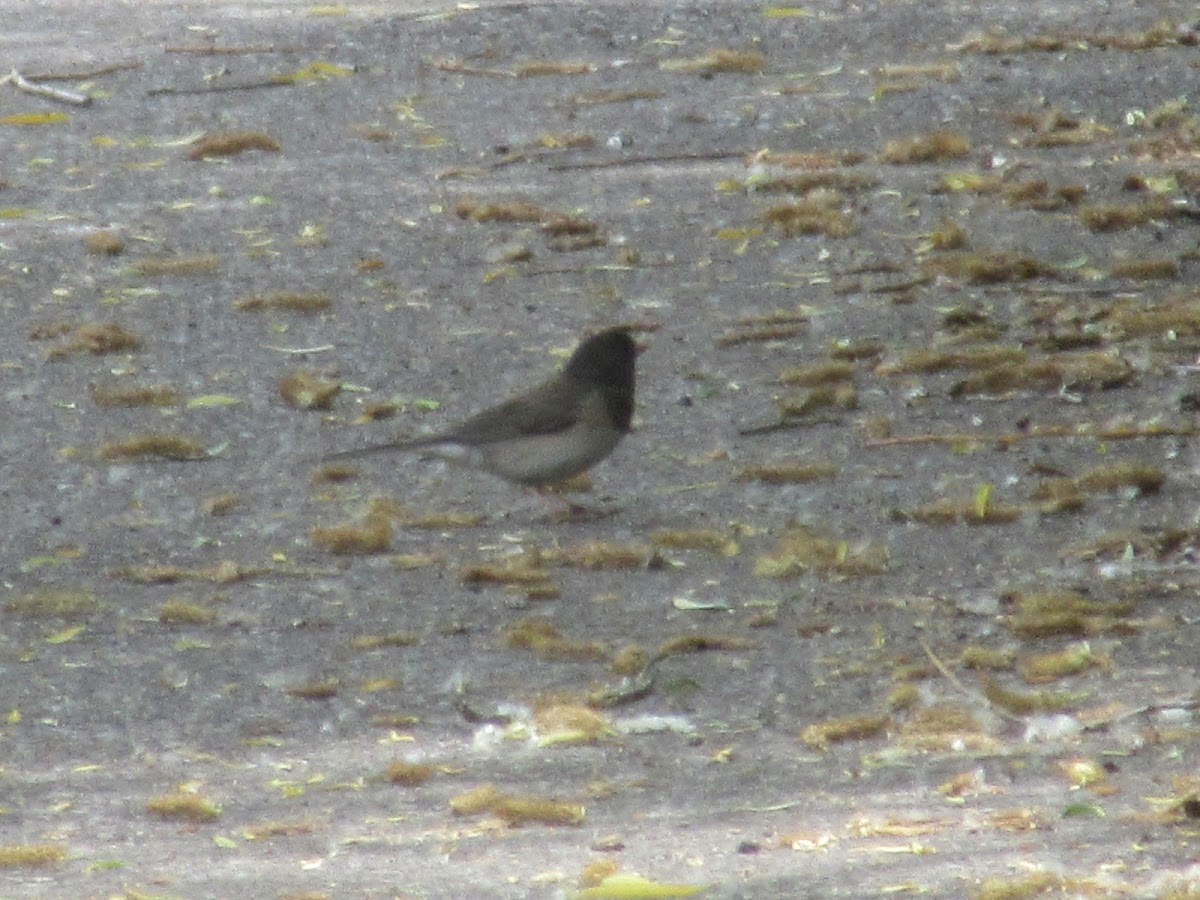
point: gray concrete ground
(907, 524)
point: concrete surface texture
(891, 591)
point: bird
(559, 429)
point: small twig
(41, 90)
(84, 76)
(761, 335)
(209, 50)
(686, 488)
(576, 270)
(519, 157)
(1182, 703)
(784, 425)
(449, 65)
(775, 807)
(648, 160)
(772, 427)
(218, 89)
(955, 438)
(321, 348)
(1050, 431)
(899, 287)
(974, 695)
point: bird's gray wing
(547, 409)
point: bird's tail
(376, 448)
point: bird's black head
(606, 360)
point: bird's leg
(572, 511)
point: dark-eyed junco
(562, 427)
